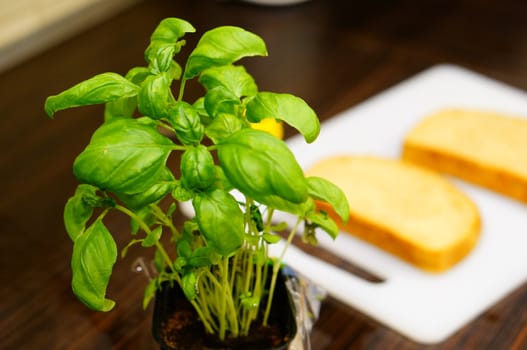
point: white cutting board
(424, 307)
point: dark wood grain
(335, 54)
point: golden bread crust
(490, 149)
(408, 211)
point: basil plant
(219, 257)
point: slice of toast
(485, 148)
(411, 212)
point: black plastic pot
(176, 326)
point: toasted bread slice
(484, 148)
(411, 212)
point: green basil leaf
(197, 168)
(126, 106)
(270, 238)
(160, 59)
(221, 46)
(204, 256)
(280, 226)
(180, 193)
(262, 167)
(124, 251)
(189, 285)
(101, 88)
(322, 220)
(171, 209)
(288, 108)
(223, 126)
(121, 108)
(138, 75)
(189, 227)
(165, 43)
(183, 248)
(124, 156)
(159, 56)
(222, 181)
(153, 237)
(250, 302)
(233, 78)
(156, 192)
(220, 220)
(170, 30)
(175, 71)
(94, 254)
(78, 210)
(185, 120)
(150, 292)
(155, 95)
(180, 263)
(221, 101)
(159, 261)
(328, 192)
(146, 215)
(199, 106)
(299, 209)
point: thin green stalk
(181, 88)
(232, 313)
(232, 277)
(210, 277)
(276, 269)
(206, 316)
(258, 280)
(202, 302)
(223, 302)
(177, 148)
(208, 292)
(226, 314)
(160, 214)
(269, 221)
(244, 316)
(256, 291)
(103, 214)
(145, 227)
(248, 271)
(205, 320)
(247, 268)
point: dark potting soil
(184, 332)
(176, 325)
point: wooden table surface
(333, 53)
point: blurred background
(30, 26)
(333, 53)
